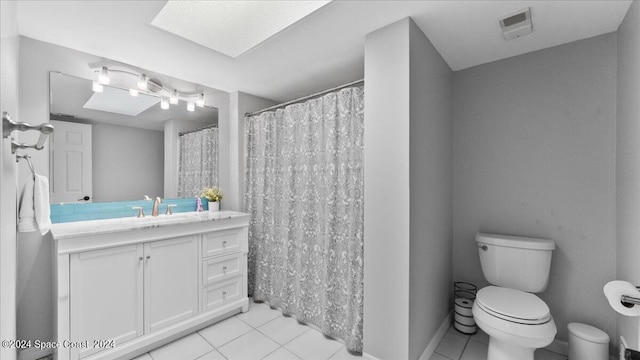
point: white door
(70, 162)
(171, 282)
(106, 296)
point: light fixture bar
(151, 87)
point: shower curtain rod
(305, 98)
(194, 130)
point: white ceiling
(323, 50)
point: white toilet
(517, 321)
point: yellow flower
(212, 194)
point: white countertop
(98, 227)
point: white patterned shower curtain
(198, 164)
(305, 194)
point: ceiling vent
(516, 25)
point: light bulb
(174, 97)
(164, 103)
(97, 87)
(142, 82)
(103, 76)
(133, 92)
(200, 101)
(191, 106)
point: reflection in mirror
(109, 145)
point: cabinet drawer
(218, 268)
(219, 294)
(221, 242)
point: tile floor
(260, 333)
(265, 334)
(457, 346)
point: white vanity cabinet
(125, 289)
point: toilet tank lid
(520, 242)
(588, 333)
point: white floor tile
(344, 354)
(253, 345)
(480, 336)
(543, 354)
(221, 333)
(187, 348)
(312, 345)
(475, 350)
(452, 345)
(143, 357)
(258, 315)
(437, 356)
(283, 329)
(281, 354)
(213, 355)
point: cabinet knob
(224, 243)
(140, 258)
(148, 257)
(224, 293)
(224, 269)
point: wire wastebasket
(464, 294)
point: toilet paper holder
(630, 301)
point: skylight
(231, 27)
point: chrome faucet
(155, 206)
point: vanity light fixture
(97, 87)
(164, 103)
(142, 82)
(150, 86)
(103, 76)
(173, 99)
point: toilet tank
(515, 262)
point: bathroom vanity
(128, 285)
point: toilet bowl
(517, 322)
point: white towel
(33, 212)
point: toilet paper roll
(614, 290)
(464, 306)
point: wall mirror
(110, 145)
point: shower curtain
(198, 161)
(305, 193)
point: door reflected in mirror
(110, 145)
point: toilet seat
(512, 305)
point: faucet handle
(169, 206)
(140, 211)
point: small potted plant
(214, 195)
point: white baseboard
(435, 340)
(34, 353)
(559, 347)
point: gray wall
(430, 186)
(240, 103)
(128, 163)
(534, 154)
(628, 163)
(9, 47)
(407, 146)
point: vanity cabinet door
(171, 282)
(106, 289)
